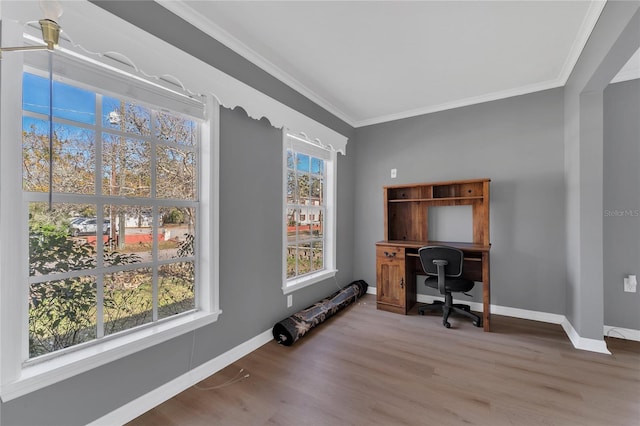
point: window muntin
(130, 259)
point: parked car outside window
(89, 226)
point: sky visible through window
(71, 103)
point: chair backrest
(452, 255)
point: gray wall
(250, 247)
(621, 233)
(518, 144)
(614, 39)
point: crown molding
(584, 32)
(186, 12)
(181, 9)
(494, 96)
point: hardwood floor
(369, 367)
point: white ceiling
(374, 61)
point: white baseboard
(622, 333)
(502, 310)
(585, 344)
(593, 345)
(157, 396)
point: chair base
(448, 308)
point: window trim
(20, 376)
(290, 285)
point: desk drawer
(472, 269)
(390, 252)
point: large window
(110, 182)
(113, 248)
(309, 213)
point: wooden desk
(406, 213)
(398, 263)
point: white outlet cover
(630, 285)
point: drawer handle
(386, 253)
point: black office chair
(445, 263)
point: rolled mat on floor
(290, 329)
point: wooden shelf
(406, 207)
(418, 200)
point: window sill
(301, 282)
(42, 374)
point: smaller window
(309, 213)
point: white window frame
(19, 377)
(306, 146)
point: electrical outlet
(289, 300)
(630, 284)
(394, 173)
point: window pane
(133, 241)
(315, 191)
(73, 157)
(61, 314)
(292, 191)
(291, 223)
(126, 116)
(317, 255)
(176, 288)
(73, 103)
(73, 160)
(316, 221)
(304, 224)
(35, 155)
(54, 243)
(303, 187)
(291, 261)
(176, 174)
(126, 166)
(35, 94)
(302, 162)
(176, 129)
(128, 299)
(304, 259)
(178, 233)
(317, 166)
(69, 102)
(290, 159)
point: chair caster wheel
(477, 323)
(421, 313)
(447, 324)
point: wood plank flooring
(369, 367)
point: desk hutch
(406, 230)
